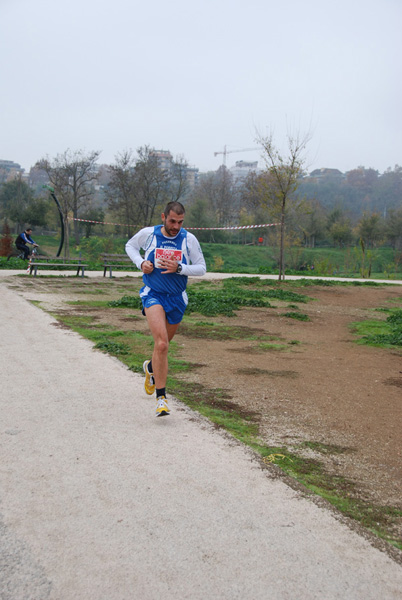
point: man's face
(172, 223)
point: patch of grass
(279, 293)
(395, 319)
(252, 371)
(210, 300)
(255, 371)
(334, 282)
(382, 334)
(75, 322)
(92, 292)
(266, 346)
(251, 281)
(216, 331)
(114, 348)
(216, 406)
(37, 303)
(88, 303)
(296, 315)
(325, 448)
(222, 302)
(287, 296)
(225, 297)
(127, 302)
(132, 347)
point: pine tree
(6, 242)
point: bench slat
(115, 261)
(63, 263)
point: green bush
(93, 247)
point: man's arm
(197, 268)
(27, 238)
(135, 244)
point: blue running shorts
(173, 305)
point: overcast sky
(192, 76)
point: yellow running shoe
(162, 409)
(149, 383)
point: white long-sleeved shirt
(184, 244)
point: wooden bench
(45, 262)
(116, 261)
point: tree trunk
(66, 238)
(282, 247)
(76, 229)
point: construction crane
(225, 152)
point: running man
(171, 255)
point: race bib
(167, 254)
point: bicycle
(20, 254)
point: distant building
(166, 163)
(37, 179)
(10, 170)
(165, 159)
(243, 168)
(192, 176)
(321, 174)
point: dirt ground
(320, 387)
(324, 389)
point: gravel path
(100, 500)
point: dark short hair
(176, 207)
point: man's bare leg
(162, 333)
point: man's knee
(162, 346)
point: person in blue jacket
(171, 254)
(22, 240)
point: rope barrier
(99, 222)
(239, 227)
(189, 228)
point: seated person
(22, 240)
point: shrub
(6, 242)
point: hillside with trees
(325, 207)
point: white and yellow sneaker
(162, 409)
(149, 383)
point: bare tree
(121, 189)
(283, 177)
(218, 191)
(225, 198)
(151, 184)
(178, 186)
(142, 185)
(72, 175)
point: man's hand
(147, 267)
(170, 265)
